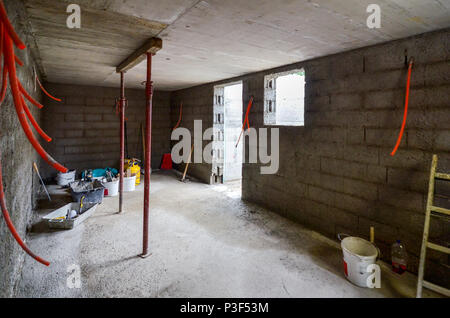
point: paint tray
(58, 218)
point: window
(284, 98)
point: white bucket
(63, 179)
(129, 184)
(358, 255)
(111, 188)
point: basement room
(203, 150)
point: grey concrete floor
(205, 242)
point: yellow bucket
(134, 169)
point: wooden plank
(436, 288)
(153, 45)
(440, 210)
(439, 248)
(442, 176)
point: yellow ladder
(432, 211)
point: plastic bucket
(129, 184)
(358, 255)
(111, 188)
(63, 179)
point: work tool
(183, 179)
(434, 211)
(81, 204)
(42, 182)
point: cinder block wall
(197, 105)
(17, 156)
(85, 126)
(336, 173)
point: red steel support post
(148, 151)
(122, 139)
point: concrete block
(408, 179)
(72, 133)
(405, 158)
(401, 198)
(346, 101)
(321, 195)
(343, 168)
(386, 99)
(376, 174)
(360, 189)
(421, 139)
(73, 117)
(362, 154)
(383, 137)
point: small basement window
(284, 98)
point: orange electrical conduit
(8, 38)
(33, 121)
(27, 96)
(249, 106)
(46, 93)
(405, 114)
(11, 225)
(179, 118)
(9, 59)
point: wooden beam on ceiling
(153, 45)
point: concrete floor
(205, 242)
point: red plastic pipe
(249, 106)
(148, 152)
(9, 59)
(405, 114)
(45, 92)
(179, 118)
(18, 61)
(122, 139)
(11, 225)
(4, 84)
(33, 121)
(27, 96)
(9, 28)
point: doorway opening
(227, 153)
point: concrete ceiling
(205, 41)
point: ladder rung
(439, 248)
(440, 210)
(436, 288)
(442, 176)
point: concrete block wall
(85, 126)
(336, 173)
(197, 105)
(17, 156)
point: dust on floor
(205, 242)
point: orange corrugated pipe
(7, 37)
(405, 114)
(179, 117)
(9, 59)
(249, 106)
